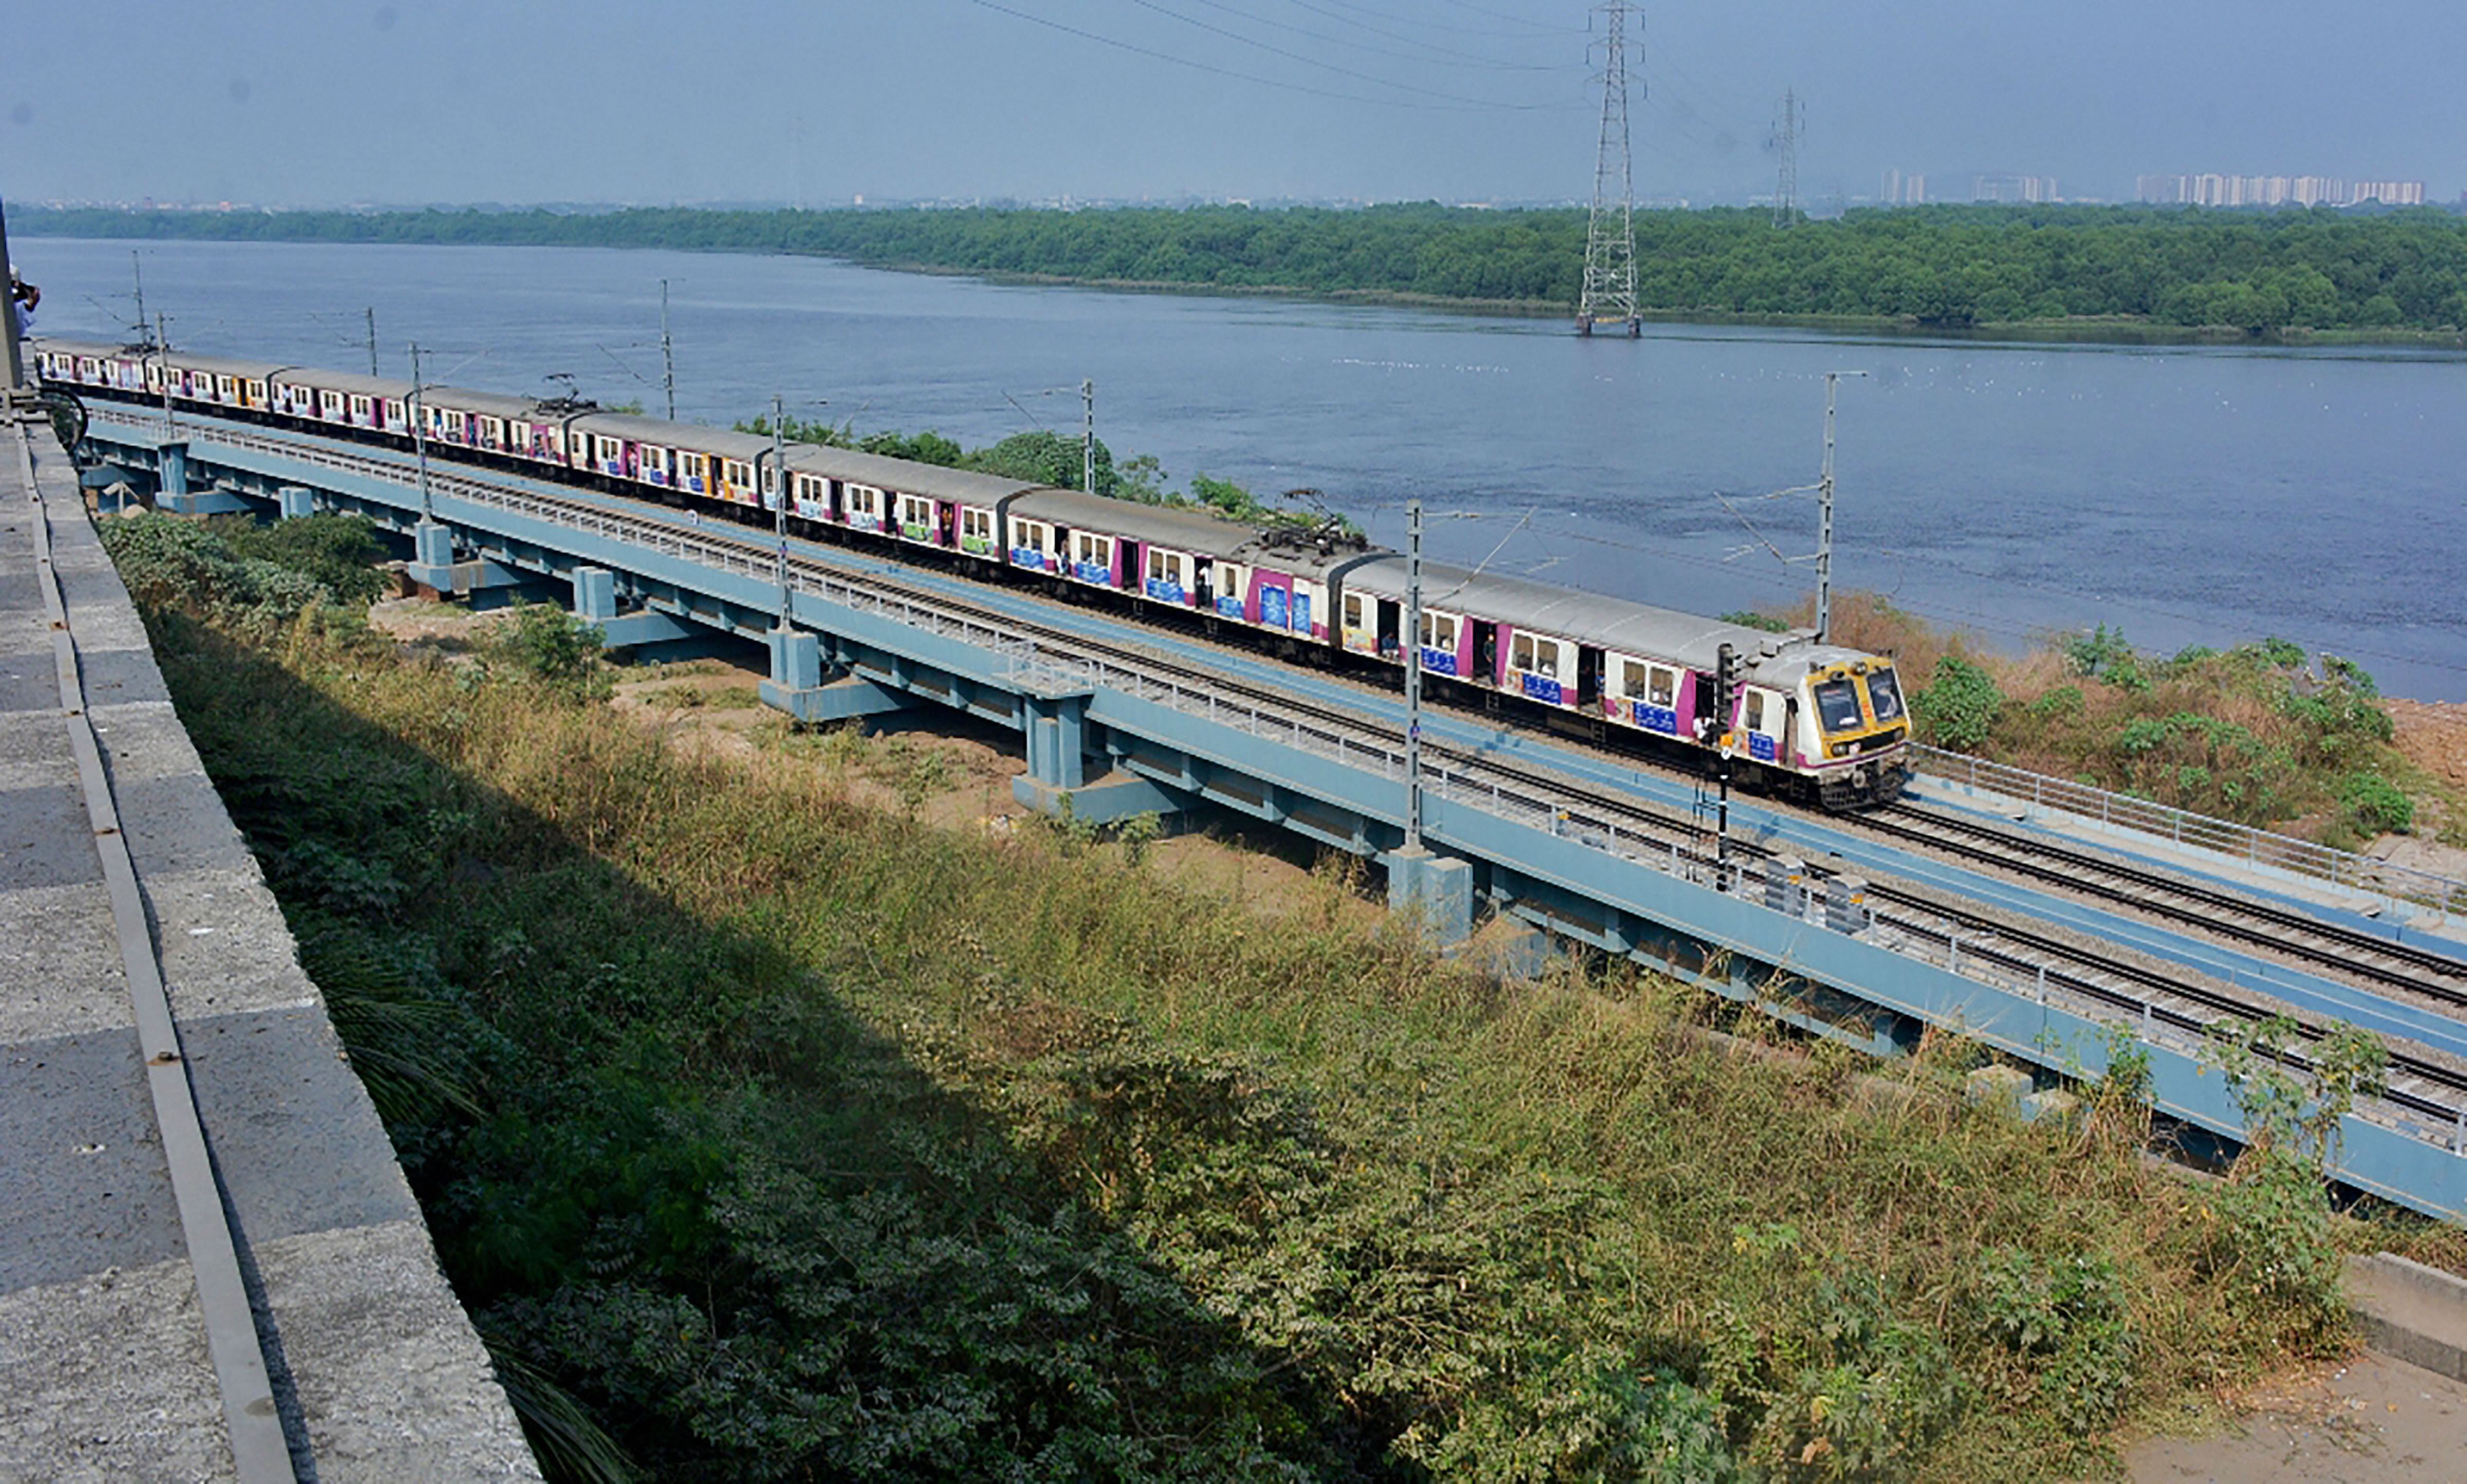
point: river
(2188, 494)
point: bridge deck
(210, 1264)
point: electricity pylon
(1793, 116)
(1610, 246)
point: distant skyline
(729, 100)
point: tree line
(2257, 272)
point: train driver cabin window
(1753, 719)
(1836, 705)
(1884, 696)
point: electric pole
(1088, 437)
(1608, 294)
(668, 355)
(1825, 517)
(779, 502)
(1413, 657)
(420, 437)
(1786, 140)
(372, 341)
(138, 269)
(162, 359)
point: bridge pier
(171, 472)
(292, 502)
(796, 685)
(432, 556)
(1433, 891)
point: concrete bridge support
(1434, 892)
(292, 502)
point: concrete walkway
(211, 1267)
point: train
(1786, 713)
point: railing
(1050, 661)
(2182, 826)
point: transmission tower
(1609, 245)
(1793, 118)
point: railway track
(2430, 1095)
(2366, 959)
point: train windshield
(1884, 695)
(1836, 705)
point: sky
(819, 103)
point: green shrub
(1959, 706)
(559, 650)
(339, 553)
(2374, 805)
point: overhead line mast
(1609, 296)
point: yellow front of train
(1862, 751)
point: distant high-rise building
(1900, 189)
(2025, 188)
(2274, 191)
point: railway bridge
(1867, 934)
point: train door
(1760, 723)
(1485, 651)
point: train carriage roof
(351, 383)
(722, 442)
(493, 404)
(1612, 623)
(1175, 527)
(93, 347)
(905, 476)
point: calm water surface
(2191, 495)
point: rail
(1045, 659)
(2182, 826)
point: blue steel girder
(1729, 945)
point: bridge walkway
(211, 1266)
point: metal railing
(2343, 868)
(1050, 661)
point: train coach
(1797, 717)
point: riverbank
(2051, 273)
(2084, 329)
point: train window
(1884, 696)
(1520, 654)
(360, 407)
(1353, 611)
(1836, 705)
(1546, 657)
(977, 525)
(1755, 709)
(1631, 679)
(1438, 632)
(915, 510)
(1662, 687)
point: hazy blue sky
(521, 100)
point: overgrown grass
(811, 1140)
(2263, 733)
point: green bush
(1959, 706)
(339, 553)
(559, 650)
(2374, 805)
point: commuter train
(1802, 718)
